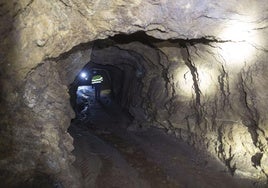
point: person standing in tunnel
(96, 83)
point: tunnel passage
(165, 84)
(102, 85)
(174, 85)
(213, 70)
(126, 69)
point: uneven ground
(110, 152)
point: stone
(208, 81)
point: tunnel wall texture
(214, 83)
(218, 113)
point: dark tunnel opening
(91, 96)
(121, 71)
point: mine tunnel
(114, 140)
(133, 94)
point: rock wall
(190, 90)
(221, 106)
(49, 145)
(227, 113)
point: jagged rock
(195, 84)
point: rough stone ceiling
(46, 32)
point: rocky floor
(109, 154)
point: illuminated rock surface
(207, 85)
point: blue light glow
(83, 75)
